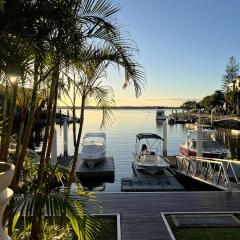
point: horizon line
(124, 107)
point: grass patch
(109, 228)
(227, 233)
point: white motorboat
(211, 147)
(160, 115)
(148, 155)
(93, 149)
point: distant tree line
(226, 100)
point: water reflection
(159, 123)
(121, 137)
(230, 139)
(95, 184)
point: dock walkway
(164, 181)
(140, 213)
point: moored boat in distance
(148, 155)
(94, 149)
(160, 115)
(211, 147)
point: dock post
(212, 117)
(54, 148)
(65, 136)
(199, 118)
(165, 139)
(199, 142)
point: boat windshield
(93, 140)
(160, 113)
(97, 143)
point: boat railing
(220, 173)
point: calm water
(121, 138)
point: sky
(184, 48)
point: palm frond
(104, 97)
(73, 204)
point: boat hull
(92, 162)
(150, 169)
(161, 118)
(193, 153)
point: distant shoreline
(124, 107)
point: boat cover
(148, 135)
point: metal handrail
(212, 171)
(218, 159)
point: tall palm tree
(88, 85)
(59, 34)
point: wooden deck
(140, 213)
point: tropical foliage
(231, 73)
(229, 85)
(40, 41)
(226, 100)
(216, 100)
(190, 105)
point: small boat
(148, 155)
(171, 120)
(211, 147)
(93, 149)
(182, 120)
(160, 115)
(61, 120)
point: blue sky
(184, 47)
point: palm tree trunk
(38, 217)
(20, 134)
(27, 134)
(10, 123)
(38, 214)
(49, 148)
(49, 119)
(4, 120)
(47, 144)
(76, 148)
(74, 114)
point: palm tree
(14, 60)
(88, 85)
(73, 206)
(59, 34)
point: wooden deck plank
(140, 212)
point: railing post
(234, 173)
(229, 187)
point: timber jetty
(232, 123)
